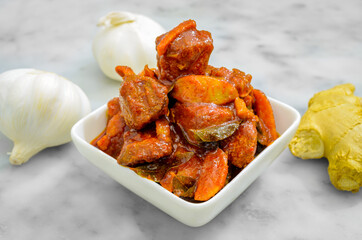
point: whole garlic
(37, 110)
(126, 39)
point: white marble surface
(292, 48)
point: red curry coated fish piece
(113, 106)
(112, 140)
(142, 146)
(171, 35)
(241, 146)
(183, 51)
(143, 100)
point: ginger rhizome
(332, 128)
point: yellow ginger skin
(332, 128)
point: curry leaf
(216, 133)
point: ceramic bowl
(191, 214)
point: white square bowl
(191, 214)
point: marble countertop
(292, 48)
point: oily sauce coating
(187, 125)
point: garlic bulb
(126, 39)
(37, 110)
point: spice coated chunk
(183, 51)
(111, 141)
(143, 100)
(241, 146)
(144, 146)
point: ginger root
(332, 128)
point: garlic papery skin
(38, 110)
(126, 39)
